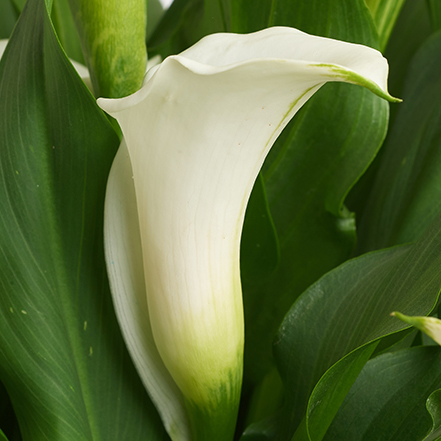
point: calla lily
(196, 135)
(431, 326)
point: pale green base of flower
(216, 421)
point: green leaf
(328, 19)
(169, 37)
(332, 389)
(155, 11)
(406, 195)
(8, 420)
(385, 14)
(411, 30)
(8, 17)
(18, 4)
(434, 408)
(337, 321)
(312, 166)
(262, 431)
(186, 22)
(250, 15)
(435, 13)
(388, 400)
(259, 239)
(62, 358)
(267, 398)
(66, 31)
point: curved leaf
(348, 309)
(66, 31)
(435, 13)
(62, 358)
(385, 13)
(312, 166)
(8, 420)
(388, 400)
(406, 195)
(259, 246)
(433, 405)
(8, 17)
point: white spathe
(197, 133)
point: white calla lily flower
(431, 326)
(197, 133)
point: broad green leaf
(331, 391)
(267, 398)
(169, 36)
(186, 22)
(155, 11)
(66, 31)
(262, 431)
(8, 420)
(250, 15)
(62, 358)
(337, 319)
(435, 13)
(8, 17)
(388, 400)
(406, 195)
(434, 408)
(411, 30)
(312, 166)
(3, 436)
(259, 239)
(385, 14)
(18, 4)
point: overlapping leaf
(187, 21)
(411, 30)
(62, 358)
(331, 330)
(388, 401)
(315, 162)
(406, 195)
(66, 31)
(8, 17)
(385, 13)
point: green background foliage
(323, 358)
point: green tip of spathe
(349, 76)
(393, 99)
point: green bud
(112, 34)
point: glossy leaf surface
(406, 195)
(390, 399)
(346, 310)
(62, 358)
(385, 13)
(307, 175)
